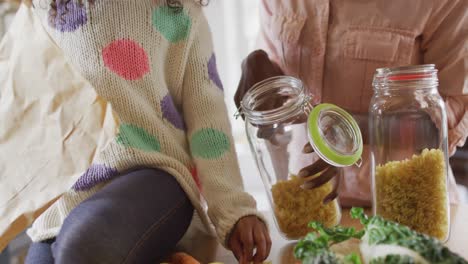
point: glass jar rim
(413, 76)
(271, 87)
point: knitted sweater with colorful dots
(157, 68)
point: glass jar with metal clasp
(280, 121)
(409, 156)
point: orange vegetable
(182, 258)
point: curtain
(7, 12)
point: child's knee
(39, 253)
(84, 235)
(80, 243)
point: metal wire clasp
(306, 105)
(358, 163)
(238, 112)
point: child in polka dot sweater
(154, 62)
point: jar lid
(335, 135)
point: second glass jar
(408, 136)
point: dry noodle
(296, 207)
(413, 192)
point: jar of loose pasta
(280, 120)
(409, 158)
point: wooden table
(207, 250)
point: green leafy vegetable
(382, 242)
(385, 238)
(393, 259)
(315, 248)
(336, 234)
(352, 259)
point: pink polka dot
(126, 58)
(194, 172)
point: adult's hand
(256, 68)
(327, 173)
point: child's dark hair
(174, 4)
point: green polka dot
(173, 25)
(136, 137)
(209, 143)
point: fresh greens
(393, 259)
(382, 242)
(352, 259)
(385, 238)
(315, 248)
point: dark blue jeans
(4, 257)
(137, 218)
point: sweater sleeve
(209, 136)
(445, 44)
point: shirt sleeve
(264, 40)
(209, 136)
(445, 45)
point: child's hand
(250, 233)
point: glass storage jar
(279, 122)
(409, 159)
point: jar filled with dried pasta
(280, 121)
(409, 157)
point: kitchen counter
(207, 250)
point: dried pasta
(295, 207)
(414, 193)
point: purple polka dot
(69, 17)
(171, 114)
(94, 175)
(213, 72)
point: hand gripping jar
(409, 159)
(280, 121)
